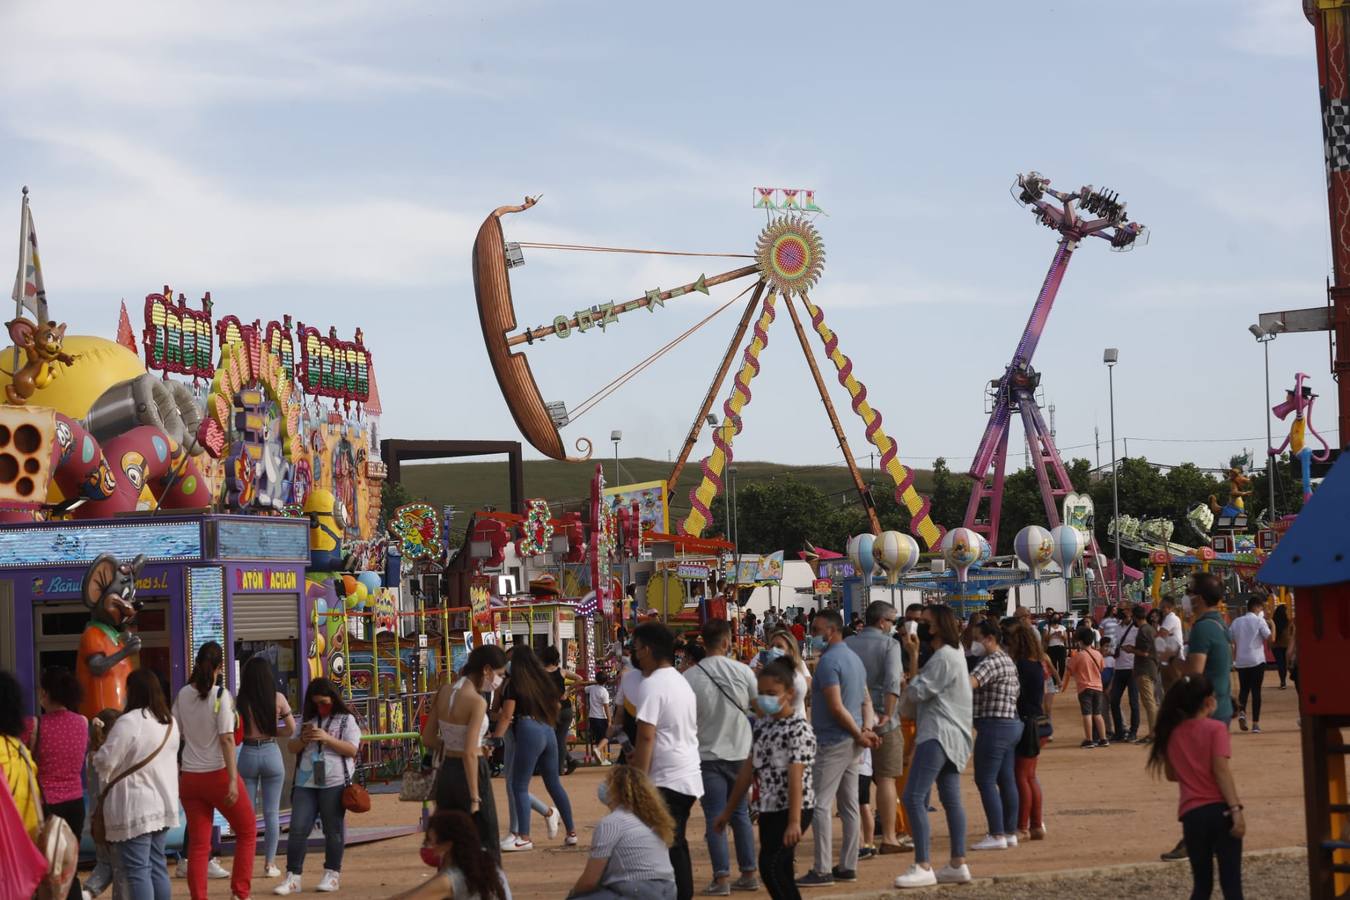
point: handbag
(1029, 744)
(355, 798)
(98, 828)
(24, 866)
(55, 840)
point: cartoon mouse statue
(106, 647)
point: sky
(334, 160)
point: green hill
(471, 486)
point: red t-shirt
(798, 632)
(1086, 668)
(1191, 751)
(62, 739)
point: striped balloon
(860, 553)
(1068, 546)
(1034, 547)
(962, 548)
(896, 553)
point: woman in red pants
(1025, 648)
(208, 778)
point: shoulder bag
(55, 840)
(98, 829)
(723, 691)
(355, 798)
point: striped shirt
(633, 850)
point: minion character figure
(133, 466)
(327, 521)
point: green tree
(392, 495)
(784, 514)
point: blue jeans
(145, 867)
(536, 744)
(930, 765)
(995, 773)
(508, 757)
(307, 804)
(261, 767)
(718, 777)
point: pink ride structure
(1015, 390)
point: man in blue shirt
(839, 704)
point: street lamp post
(616, 436)
(1264, 337)
(1110, 356)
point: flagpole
(20, 277)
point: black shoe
(844, 874)
(1176, 853)
(1088, 745)
(1103, 743)
(866, 853)
(815, 879)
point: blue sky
(334, 160)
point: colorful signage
(786, 199)
(331, 367)
(266, 580)
(650, 497)
(694, 571)
(70, 584)
(178, 339)
(822, 587)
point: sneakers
(1242, 719)
(290, 886)
(1176, 853)
(508, 842)
(554, 821)
(215, 870)
(1088, 745)
(329, 882)
(954, 874)
(992, 842)
(866, 853)
(517, 845)
(841, 874)
(180, 870)
(815, 879)
(718, 889)
(1103, 743)
(1256, 729)
(606, 762)
(271, 871)
(570, 840)
(1010, 840)
(747, 882)
(917, 877)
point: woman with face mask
(782, 645)
(464, 869)
(455, 729)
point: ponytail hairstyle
(209, 658)
(1182, 701)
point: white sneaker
(570, 840)
(180, 870)
(1010, 840)
(329, 882)
(554, 821)
(290, 886)
(518, 845)
(991, 842)
(606, 762)
(271, 871)
(508, 842)
(916, 877)
(215, 870)
(954, 874)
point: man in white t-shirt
(597, 720)
(667, 739)
(1171, 648)
(1249, 634)
(1123, 680)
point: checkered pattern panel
(1338, 135)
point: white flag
(29, 290)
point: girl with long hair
(504, 712)
(783, 645)
(1192, 748)
(1025, 650)
(939, 700)
(325, 761)
(140, 779)
(262, 707)
(782, 760)
(457, 726)
(465, 869)
(536, 715)
(209, 780)
(58, 740)
(629, 856)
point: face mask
(602, 793)
(324, 704)
(775, 653)
(431, 856)
(977, 649)
(769, 704)
(495, 682)
(925, 632)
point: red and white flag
(29, 291)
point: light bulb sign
(178, 339)
(332, 367)
(786, 199)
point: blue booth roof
(1316, 549)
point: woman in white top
(325, 760)
(456, 728)
(137, 766)
(783, 644)
(1057, 643)
(209, 778)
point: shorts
(864, 790)
(888, 760)
(1092, 703)
(599, 730)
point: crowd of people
(860, 721)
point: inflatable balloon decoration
(859, 552)
(962, 548)
(103, 662)
(1068, 547)
(896, 553)
(1035, 548)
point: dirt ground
(1102, 810)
